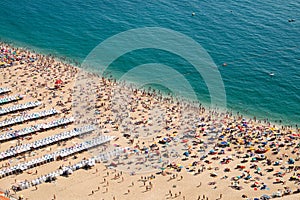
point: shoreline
(74, 63)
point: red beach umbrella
(184, 141)
(58, 82)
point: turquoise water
(253, 37)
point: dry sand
(168, 126)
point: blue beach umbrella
(186, 154)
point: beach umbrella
(258, 169)
(291, 161)
(186, 154)
(58, 82)
(213, 174)
(184, 141)
(113, 164)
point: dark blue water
(253, 37)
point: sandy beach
(163, 147)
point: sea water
(254, 39)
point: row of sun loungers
(55, 155)
(35, 128)
(19, 107)
(27, 117)
(44, 142)
(67, 170)
(4, 90)
(9, 99)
